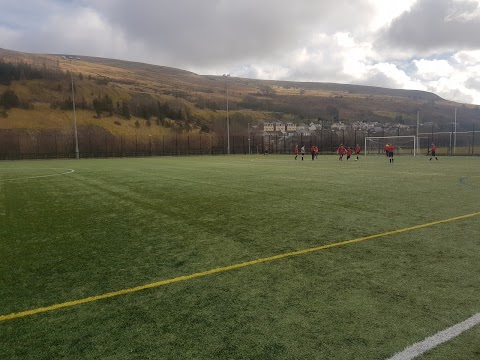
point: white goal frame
(392, 137)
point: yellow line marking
(221, 269)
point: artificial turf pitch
(119, 223)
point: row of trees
(138, 107)
(23, 71)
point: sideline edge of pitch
(221, 269)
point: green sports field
(79, 229)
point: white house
(279, 127)
(291, 127)
(268, 127)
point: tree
(125, 110)
(333, 111)
(97, 106)
(9, 99)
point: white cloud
(432, 69)
(386, 11)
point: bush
(9, 99)
(116, 122)
(137, 123)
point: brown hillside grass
(285, 100)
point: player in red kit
(341, 151)
(434, 149)
(312, 150)
(316, 152)
(390, 150)
(357, 150)
(349, 152)
(296, 151)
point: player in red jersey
(312, 150)
(390, 151)
(341, 151)
(386, 149)
(296, 151)
(349, 152)
(316, 152)
(357, 150)
(434, 149)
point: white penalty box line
(431, 342)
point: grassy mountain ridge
(197, 102)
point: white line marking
(69, 171)
(429, 343)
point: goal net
(404, 145)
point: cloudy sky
(431, 45)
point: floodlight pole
(249, 151)
(77, 153)
(455, 134)
(228, 120)
(417, 152)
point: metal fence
(46, 145)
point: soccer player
(316, 152)
(312, 150)
(386, 149)
(266, 150)
(349, 152)
(296, 151)
(390, 151)
(357, 150)
(341, 151)
(434, 149)
(302, 150)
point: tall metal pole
(455, 134)
(228, 120)
(417, 152)
(77, 153)
(473, 138)
(249, 151)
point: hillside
(161, 99)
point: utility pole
(228, 120)
(77, 153)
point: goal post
(404, 145)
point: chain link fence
(52, 145)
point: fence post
(176, 144)
(321, 139)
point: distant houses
(290, 129)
